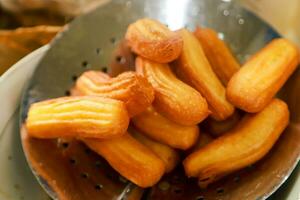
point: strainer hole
(220, 190)
(98, 164)
(98, 186)
(236, 179)
(98, 51)
(113, 40)
(73, 161)
(65, 145)
(104, 69)
(67, 93)
(74, 77)
(84, 64)
(87, 151)
(121, 59)
(178, 191)
(200, 198)
(84, 175)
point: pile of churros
(183, 81)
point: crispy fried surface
(86, 117)
(194, 66)
(165, 131)
(173, 98)
(248, 142)
(218, 54)
(130, 158)
(254, 86)
(134, 90)
(167, 154)
(153, 40)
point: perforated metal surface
(92, 42)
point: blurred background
(26, 25)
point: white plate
(17, 181)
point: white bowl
(17, 181)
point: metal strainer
(68, 170)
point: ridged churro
(130, 158)
(173, 98)
(218, 54)
(194, 66)
(247, 143)
(86, 117)
(165, 131)
(153, 40)
(254, 86)
(134, 90)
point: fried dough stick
(133, 89)
(218, 54)
(251, 140)
(194, 66)
(173, 98)
(85, 117)
(165, 131)
(167, 154)
(130, 158)
(254, 86)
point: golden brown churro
(195, 67)
(247, 143)
(130, 158)
(254, 86)
(167, 154)
(153, 40)
(218, 54)
(173, 98)
(86, 117)
(134, 90)
(165, 131)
